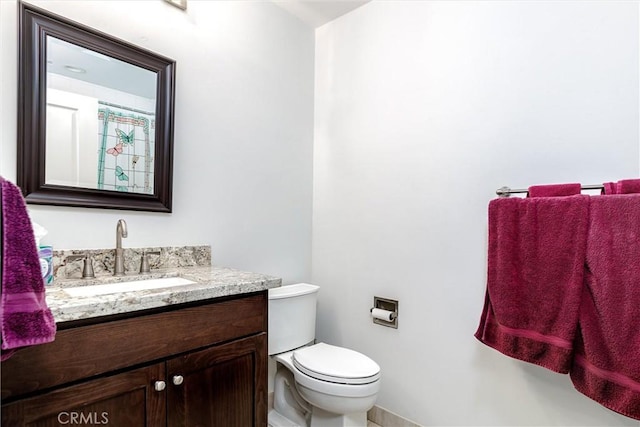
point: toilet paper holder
(385, 312)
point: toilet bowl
(317, 385)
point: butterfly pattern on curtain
(126, 149)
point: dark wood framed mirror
(95, 117)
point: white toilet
(316, 385)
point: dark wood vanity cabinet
(126, 399)
(198, 365)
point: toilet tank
(292, 316)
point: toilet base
(275, 419)
(322, 418)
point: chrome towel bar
(506, 191)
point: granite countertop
(211, 282)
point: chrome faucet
(121, 231)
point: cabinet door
(224, 385)
(126, 399)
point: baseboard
(385, 418)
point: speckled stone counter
(211, 282)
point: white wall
(243, 131)
(423, 110)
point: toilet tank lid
(292, 290)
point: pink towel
(24, 316)
(535, 275)
(607, 348)
(555, 190)
(609, 188)
(624, 186)
(627, 186)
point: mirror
(95, 118)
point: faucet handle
(144, 261)
(87, 271)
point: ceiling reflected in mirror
(84, 64)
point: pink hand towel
(25, 318)
(555, 190)
(607, 348)
(535, 274)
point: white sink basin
(137, 285)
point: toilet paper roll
(381, 314)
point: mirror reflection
(100, 123)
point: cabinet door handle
(178, 379)
(159, 385)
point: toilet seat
(328, 387)
(336, 364)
